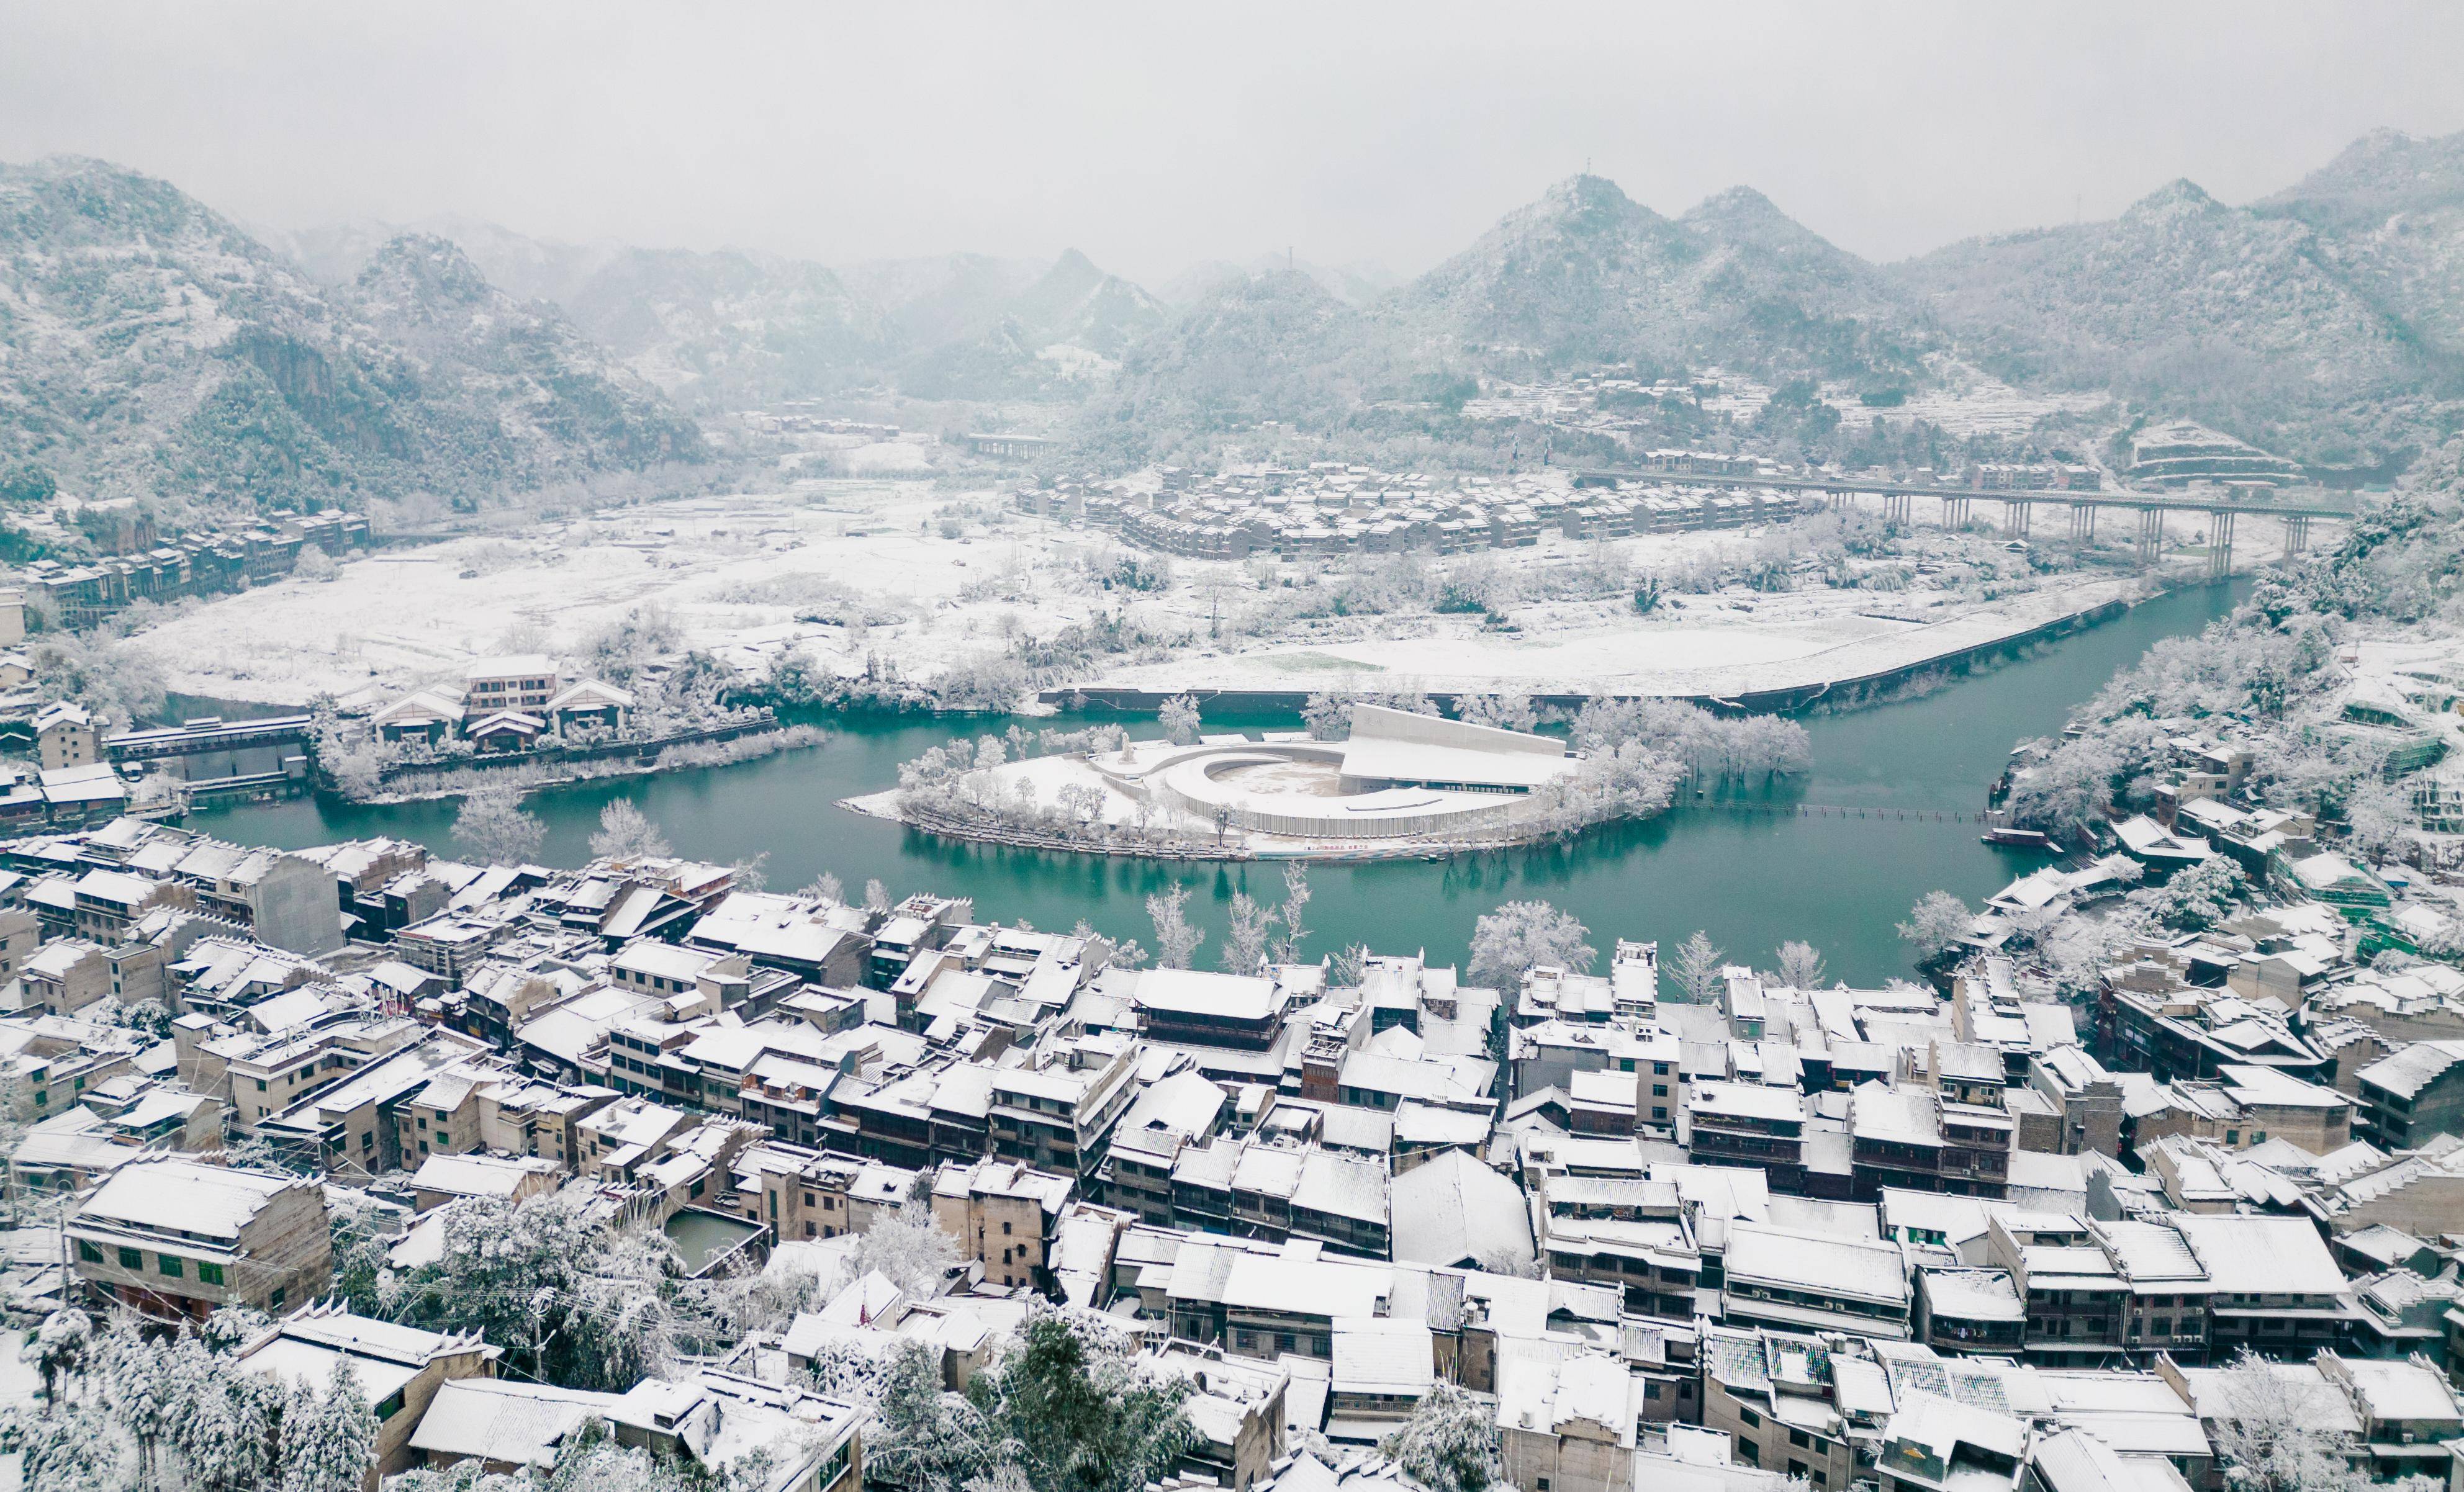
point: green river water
(1750, 879)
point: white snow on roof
(501, 1420)
(2262, 1256)
(1384, 1355)
(1856, 1268)
(1453, 1210)
(184, 1195)
(1195, 992)
(2401, 1389)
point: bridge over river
(2294, 512)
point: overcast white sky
(1156, 136)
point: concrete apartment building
(1749, 1124)
(177, 1240)
(2413, 1094)
(1004, 1216)
(1059, 1116)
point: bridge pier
(1954, 512)
(2083, 522)
(2014, 516)
(1897, 509)
(2297, 533)
(2151, 534)
(2220, 544)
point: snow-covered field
(1695, 646)
(849, 569)
(732, 572)
(1968, 402)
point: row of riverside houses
(1332, 509)
(1839, 1235)
(142, 568)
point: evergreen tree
(1448, 1444)
(1077, 1412)
(328, 1441)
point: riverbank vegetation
(2285, 706)
(2273, 679)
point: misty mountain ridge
(1050, 340)
(152, 342)
(154, 349)
(2242, 318)
(1357, 283)
(729, 327)
(1586, 275)
(2389, 213)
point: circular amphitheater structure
(1396, 776)
(1399, 784)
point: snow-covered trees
(2273, 1432)
(315, 565)
(1176, 940)
(1349, 967)
(1801, 965)
(1507, 711)
(117, 682)
(1293, 914)
(1245, 936)
(1694, 967)
(1072, 1414)
(1746, 749)
(72, 1449)
(1327, 717)
(493, 829)
(909, 1249)
(328, 1439)
(1060, 1411)
(1624, 781)
(1936, 922)
(1448, 1444)
(1180, 720)
(572, 1299)
(2069, 792)
(924, 1438)
(1520, 936)
(2197, 897)
(625, 833)
(58, 1347)
(620, 648)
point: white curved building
(1398, 775)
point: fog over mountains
(150, 344)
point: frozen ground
(1693, 646)
(849, 569)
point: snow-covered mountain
(1354, 284)
(2389, 214)
(545, 385)
(2190, 306)
(1582, 277)
(150, 348)
(1586, 276)
(728, 328)
(1054, 338)
(731, 328)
